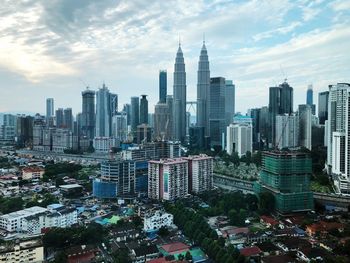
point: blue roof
(54, 206)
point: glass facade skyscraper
(162, 86)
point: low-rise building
(157, 219)
(25, 251)
(32, 172)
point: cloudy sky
(51, 48)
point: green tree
(188, 256)
(266, 202)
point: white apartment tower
(239, 138)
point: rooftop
(25, 212)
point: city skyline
(64, 46)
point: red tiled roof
(239, 230)
(30, 169)
(175, 247)
(269, 220)
(250, 251)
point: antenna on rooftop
(283, 74)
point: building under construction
(287, 176)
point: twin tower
(203, 85)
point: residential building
(59, 118)
(200, 173)
(24, 131)
(154, 220)
(23, 251)
(49, 108)
(68, 119)
(103, 112)
(239, 138)
(120, 126)
(32, 172)
(168, 179)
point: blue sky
(49, 48)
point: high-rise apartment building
(338, 138)
(179, 92)
(168, 179)
(103, 112)
(200, 173)
(68, 119)
(239, 138)
(286, 175)
(119, 126)
(163, 86)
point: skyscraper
(103, 112)
(280, 102)
(287, 131)
(338, 141)
(323, 106)
(127, 110)
(162, 86)
(310, 99)
(239, 138)
(88, 114)
(179, 97)
(217, 120)
(114, 103)
(143, 110)
(229, 101)
(68, 118)
(135, 113)
(305, 124)
(203, 85)
(49, 108)
(59, 118)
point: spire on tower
(203, 38)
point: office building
(255, 116)
(203, 85)
(24, 131)
(310, 99)
(143, 110)
(59, 118)
(287, 131)
(143, 133)
(154, 220)
(286, 175)
(151, 120)
(200, 173)
(162, 129)
(323, 106)
(280, 102)
(68, 119)
(197, 138)
(135, 113)
(179, 102)
(119, 126)
(239, 138)
(105, 144)
(305, 126)
(50, 112)
(229, 101)
(103, 112)
(113, 103)
(117, 180)
(168, 179)
(163, 86)
(127, 110)
(88, 114)
(217, 117)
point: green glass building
(287, 176)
